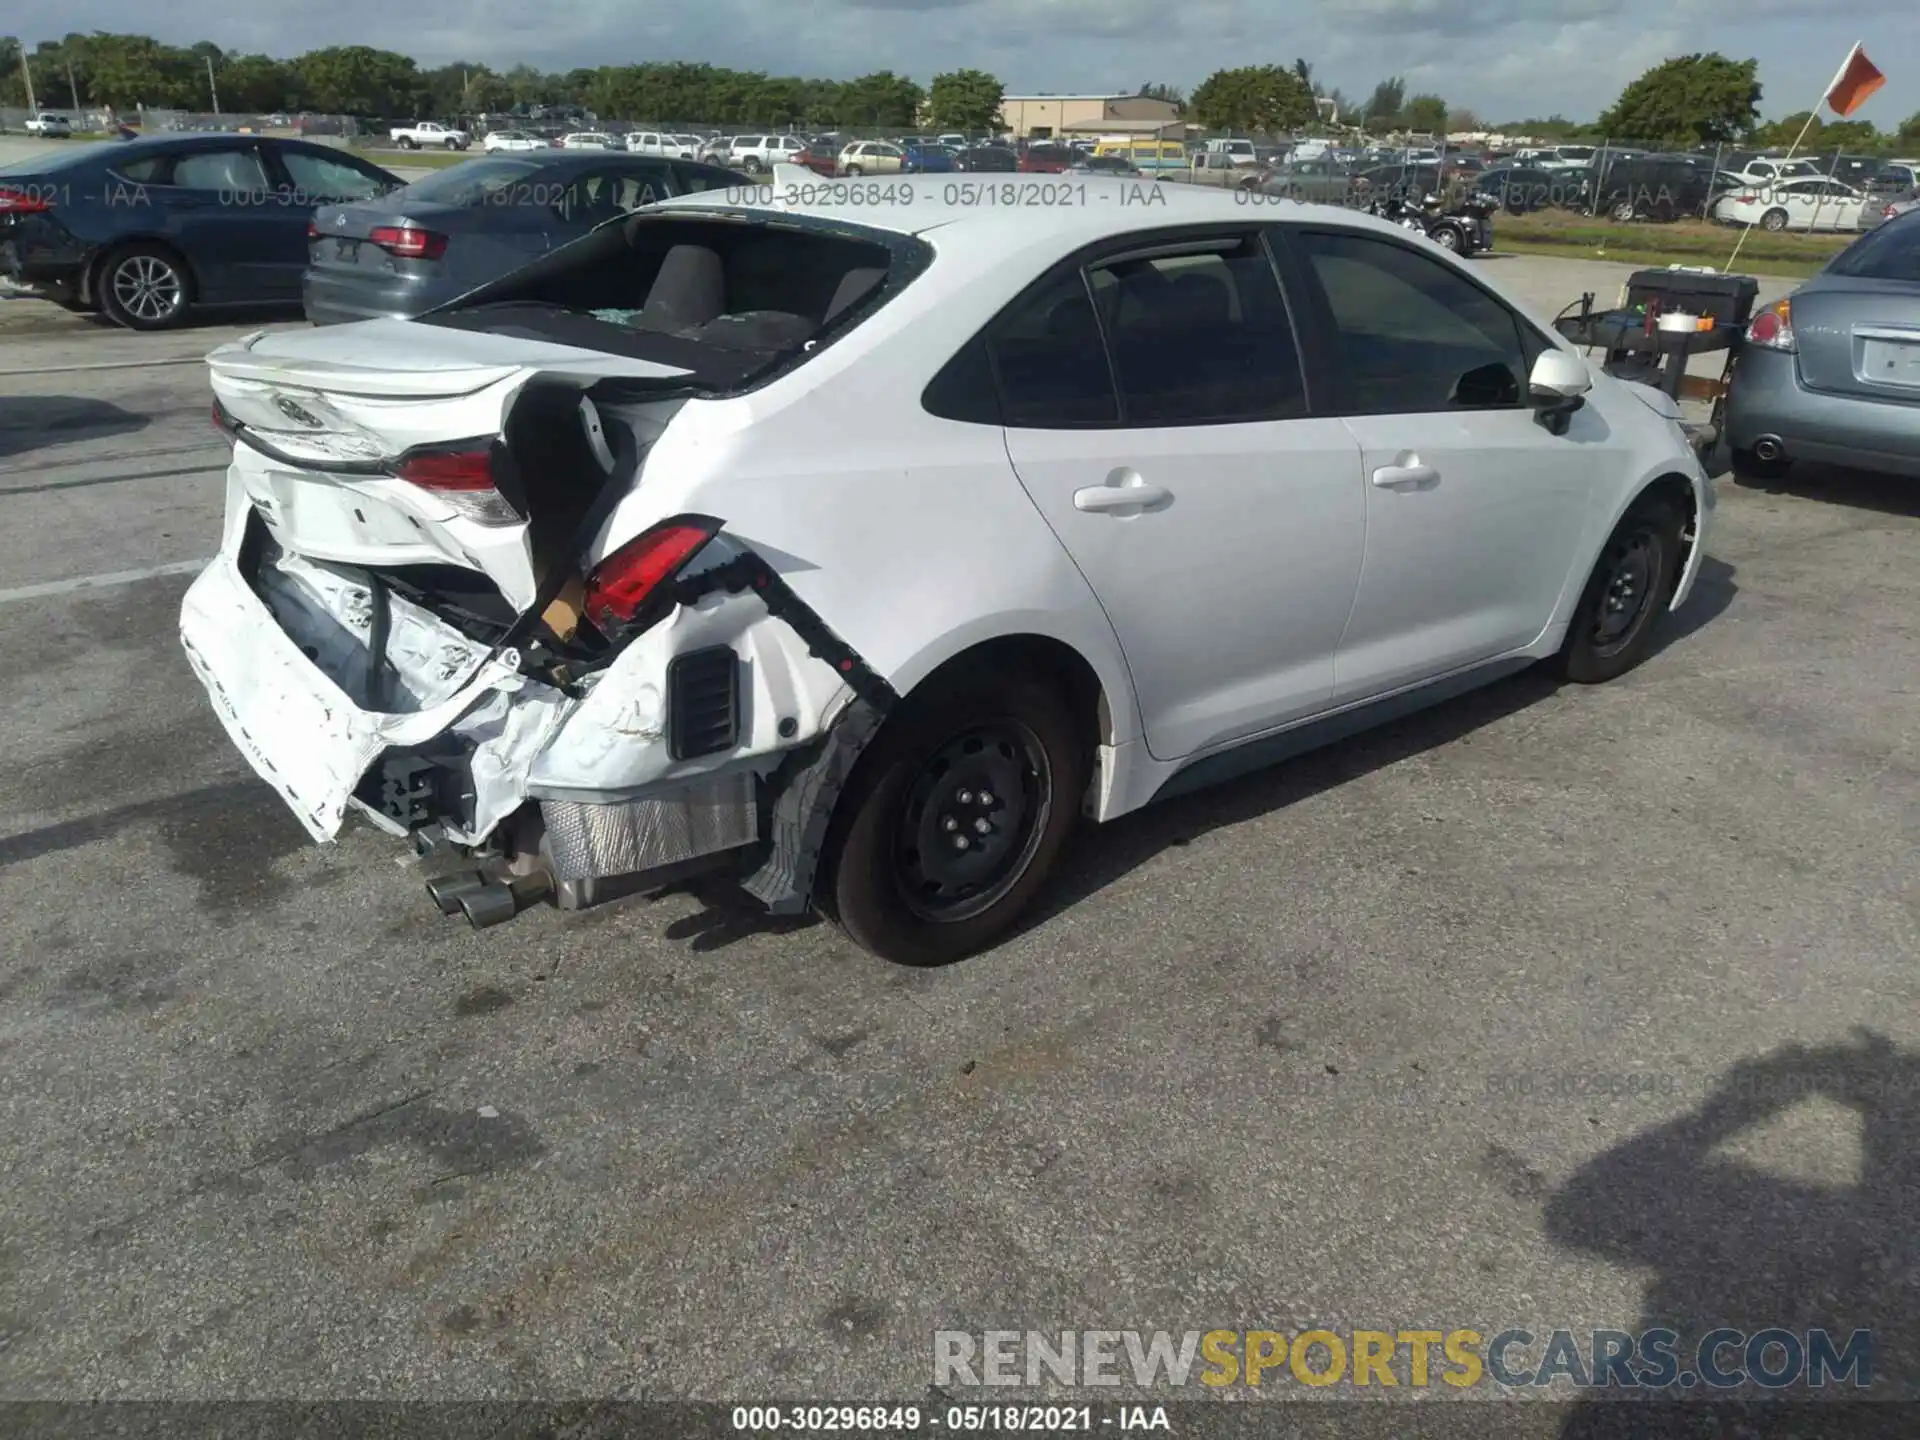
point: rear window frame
(1874, 240)
(909, 257)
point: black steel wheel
(954, 817)
(1631, 585)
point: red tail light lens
(409, 242)
(622, 584)
(17, 202)
(1772, 328)
(463, 477)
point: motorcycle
(1464, 227)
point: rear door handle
(1103, 498)
(1405, 477)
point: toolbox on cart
(1728, 299)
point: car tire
(453, 144)
(1447, 238)
(407, 142)
(852, 171)
(1774, 221)
(143, 286)
(1632, 583)
(926, 778)
(1625, 213)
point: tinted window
(695, 178)
(502, 181)
(1200, 337)
(235, 170)
(147, 170)
(1413, 335)
(1891, 252)
(1049, 361)
(324, 178)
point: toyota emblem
(299, 414)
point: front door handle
(1131, 493)
(1405, 477)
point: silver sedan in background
(1832, 373)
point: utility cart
(1662, 320)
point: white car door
(1219, 521)
(1475, 512)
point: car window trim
(1328, 354)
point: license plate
(1891, 362)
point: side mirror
(1557, 387)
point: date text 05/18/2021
(960, 1419)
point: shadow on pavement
(1729, 1244)
(31, 422)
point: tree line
(1685, 101)
(130, 71)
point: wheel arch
(90, 273)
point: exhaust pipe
(1768, 448)
(494, 903)
(447, 891)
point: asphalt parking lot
(1485, 1019)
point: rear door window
(1050, 362)
(320, 177)
(230, 172)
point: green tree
(258, 84)
(1689, 100)
(1909, 131)
(13, 86)
(1427, 113)
(1260, 98)
(1304, 69)
(1464, 121)
(882, 99)
(1169, 93)
(965, 100)
(359, 80)
(1388, 100)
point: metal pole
(73, 90)
(213, 90)
(1706, 205)
(1815, 115)
(27, 71)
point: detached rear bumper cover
(282, 673)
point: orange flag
(1857, 80)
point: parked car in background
(511, 142)
(873, 157)
(1649, 187)
(987, 160)
(1882, 208)
(588, 140)
(656, 142)
(49, 125)
(1832, 373)
(953, 140)
(1104, 475)
(1047, 159)
(218, 220)
(407, 251)
(1811, 205)
(1520, 189)
(1097, 164)
(757, 154)
(429, 134)
(1761, 170)
(820, 162)
(1237, 152)
(927, 160)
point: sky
(1504, 59)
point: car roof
(1071, 213)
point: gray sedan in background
(404, 253)
(1832, 373)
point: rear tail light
(19, 202)
(1747, 199)
(313, 231)
(409, 241)
(464, 477)
(1772, 328)
(1889, 212)
(625, 589)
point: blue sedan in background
(147, 229)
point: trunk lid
(1860, 338)
(324, 416)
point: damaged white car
(861, 549)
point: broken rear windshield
(733, 298)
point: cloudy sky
(1506, 59)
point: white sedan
(588, 140)
(511, 142)
(972, 523)
(1816, 204)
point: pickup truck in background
(430, 132)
